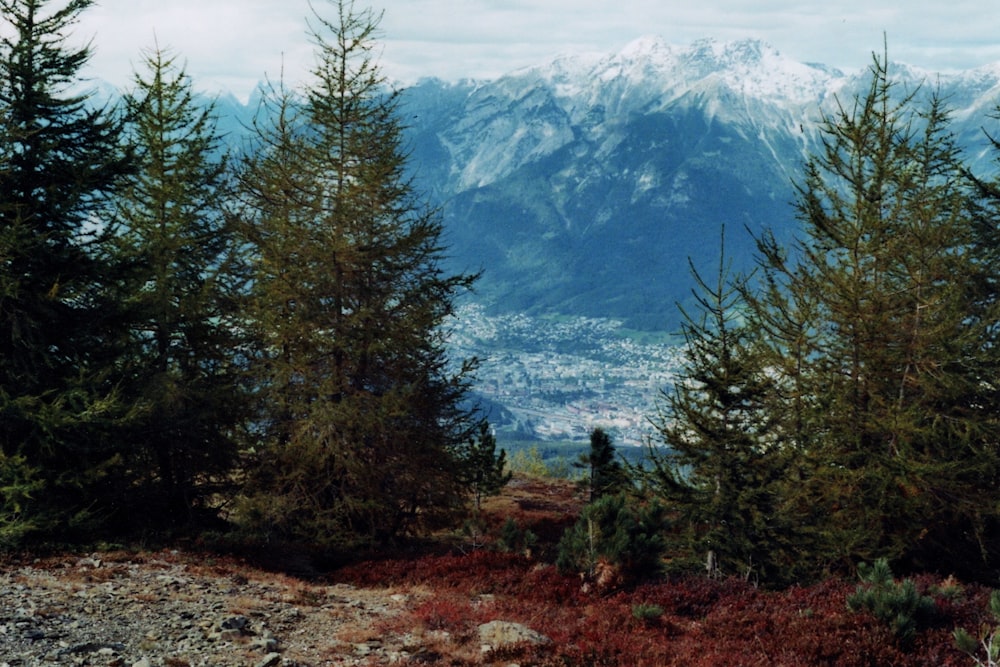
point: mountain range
(588, 185)
(585, 185)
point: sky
(230, 45)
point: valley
(557, 378)
(585, 188)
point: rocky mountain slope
(194, 608)
(582, 186)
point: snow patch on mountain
(749, 67)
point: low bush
(704, 622)
(646, 613)
(514, 539)
(615, 539)
(987, 638)
(898, 605)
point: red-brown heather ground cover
(442, 592)
(703, 623)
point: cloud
(232, 44)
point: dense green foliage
(60, 162)
(899, 605)
(840, 405)
(723, 458)
(360, 428)
(179, 291)
(615, 538)
(176, 331)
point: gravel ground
(170, 609)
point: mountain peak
(646, 47)
(749, 67)
(736, 51)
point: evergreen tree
(899, 454)
(180, 292)
(60, 332)
(484, 468)
(616, 538)
(361, 425)
(722, 461)
(605, 473)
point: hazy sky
(231, 44)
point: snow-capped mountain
(584, 184)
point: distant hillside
(582, 186)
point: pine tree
(484, 468)
(605, 473)
(362, 421)
(60, 159)
(723, 459)
(897, 450)
(179, 292)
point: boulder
(495, 634)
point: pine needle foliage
(876, 343)
(485, 472)
(987, 638)
(604, 473)
(361, 424)
(60, 329)
(616, 538)
(180, 293)
(721, 457)
(897, 604)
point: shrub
(614, 538)
(988, 639)
(445, 613)
(528, 462)
(514, 539)
(535, 463)
(898, 605)
(647, 613)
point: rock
(495, 634)
(268, 644)
(269, 660)
(143, 662)
(229, 635)
(235, 623)
(92, 562)
(368, 647)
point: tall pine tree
(180, 292)
(723, 458)
(60, 332)
(899, 453)
(362, 422)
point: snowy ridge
(586, 183)
(749, 67)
